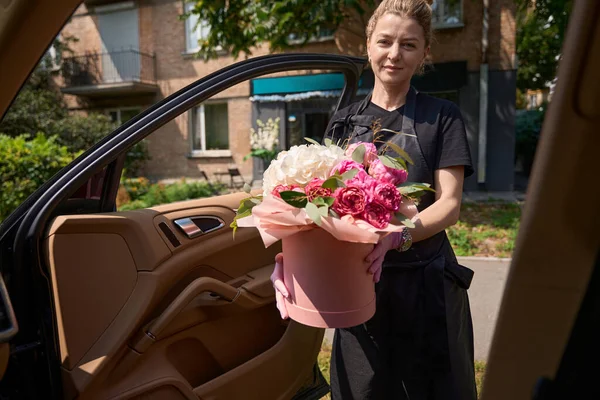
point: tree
(40, 108)
(541, 28)
(244, 24)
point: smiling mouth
(392, 68)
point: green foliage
(521, 100)
(25, 164)
(152, 195)
(528, 125)
(41, 110)
(238, 26)
(80, 132)
(136, 187)
(540, 34)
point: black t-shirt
(439, 126)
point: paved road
(485, 295)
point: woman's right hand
(281, 292)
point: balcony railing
(125, 66)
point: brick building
(131, 54)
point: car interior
(164, 303)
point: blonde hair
(419, 10)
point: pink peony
(387, 195)
(364, 181)
(370, 153)
(345, 166)
(282, 188)
(350, 200)
(377, 215)
(383, 173)
(313, 189)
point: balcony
(118, 73)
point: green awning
(297, 84)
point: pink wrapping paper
(275, 220)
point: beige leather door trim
(268, 375)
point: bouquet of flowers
(329, 204)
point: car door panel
(137, 315)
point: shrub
(136, 187)
(160, 193)
(25, 164)
(528, 125)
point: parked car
(164, 303)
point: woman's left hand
(375, 258)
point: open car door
(159, 303)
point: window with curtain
(210, 128)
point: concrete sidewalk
(485, 296)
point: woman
(419, 344)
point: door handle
(193, 227)
(224, 291)
(201, 285)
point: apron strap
(364, 103)
(408, 119)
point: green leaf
(311, 140)
(410, 187)
(328, 200)
(396, 132)
(390, 162)
(239, 214)
(401, 161)
(358, 154)
(313, 212)
(328, 142)
(401, 152)
(293, 198)
(333, 183)
(334, 214)
(405, 220)
(243, 214)
(324, 210)
(350, 174)
(318, 201)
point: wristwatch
(405, 241)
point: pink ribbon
(275, 220)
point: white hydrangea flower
(300, 164)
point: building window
(533, 103)
(194, 32)
(447, 13)
(322, 36)
(122, 115)
(210, 130)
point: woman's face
(396, 49)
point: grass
(486, 229)
(323, 360)
(325, 356)
(479, 373)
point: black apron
(419, 344)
